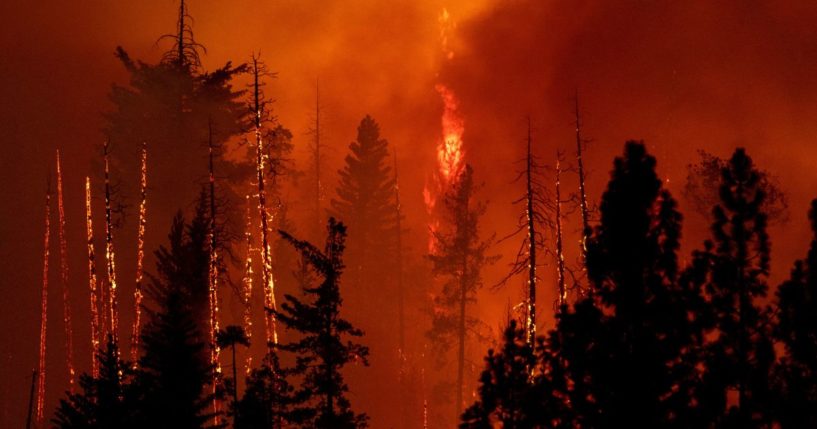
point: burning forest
(411, 214)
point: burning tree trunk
(582, 191)
(109, 253)
(247, 286)
(258, 71)
(44, 310)
(140, 255)
(92, 282)
(66, 301)
(316, 165)
(560, 256)
(401, 325)
(213, 277)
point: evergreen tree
(174, 370)
(269, 400)
(366, 204)
(324, 347)
(733, 271)
(459, 258)
(169, 105)
(797, 331)
(624, 345)
(106, 402)
(232, 336)
(515, 390)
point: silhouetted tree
(324, 347)
(106, 402)
(459, 258)
(231, 336)
(702, 195)
(515, 389)
(797, 331)
(169, 104)
(733, 269)
(174, 370)
(366, 203)
(624, 345)
(269, 400)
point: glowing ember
(247, 286)
(267, 278)
(92, 282)
(109, 254)
(44, 310)
(66, 308)
(140, 255)
(213, 270)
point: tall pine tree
(326, 344)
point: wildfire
(92, 282)
(69, 332)
(140, 255)
(267, 277)
(44, 310)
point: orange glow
(267, 276)
(66, 301)
(44, 310)
(140, 255)
(92, 281)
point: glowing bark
(93, 285)
(109, 254)
(247, 286)
(66, 301)
(44, 311)
(140, 256)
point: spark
(69, 333)
(247, 285)
(92, 281)
(140, 255)
(44, 310)
(109, 253)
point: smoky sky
(682, 76)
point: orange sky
(680, 75)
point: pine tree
(623, 345)
(232, 336)
(514, 389)
(174, 369)
(269, 400)
(325, 346)
(459, 258)
(796, 329)
(105, 402)
(733, 271)
(366, 203)
(168, 105)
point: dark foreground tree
(733, 270)
(232, 336)
(624, 346)
(269, 400)
(106, 402)
(325, 346)
(796, 329)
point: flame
(66, 301)
(92, 282)
(44, 311)
(267, 277)
(140, 255)
(247, 286)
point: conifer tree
(733, 270)
(366, 203)
(624, 343)
(796, 329)
(269, 400)
(105, 402)
(459, 259)
(174, 369)
(327, 342)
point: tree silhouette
(269, 400)
(459, 258)
(324, 347)
(623, 346)
(733, 269)
(797, 331)
(366, 203)
(105, 402)
(231, 336)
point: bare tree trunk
(66, 298)
(531, 224)
(560, 256)
(582, 190)
(140, 255)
